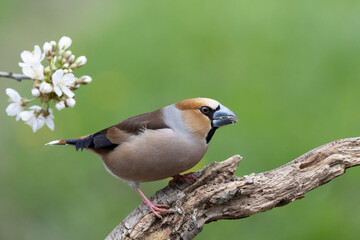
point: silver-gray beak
(224, 116)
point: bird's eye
(205, 110)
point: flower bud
(70, 102)
(67, 54)
(80, 61)
(53, 48)
(53, 63)
(84, 80)
(60, 105)
(35, 92)
(71, 59)
(45, 87)
(47, 49)
(64, 43)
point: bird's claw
(183, 178)
(157, 208)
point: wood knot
(314, 159)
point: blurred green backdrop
(289, 69)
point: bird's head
(204, 115)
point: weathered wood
(219, 194)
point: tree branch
(219, 194)
(17, 77)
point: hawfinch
(158, 144)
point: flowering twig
(17, 77)
(53, 82)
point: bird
(158, 144)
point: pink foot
(183, 178)
(155, 208)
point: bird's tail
(72, 141)
(57, 142)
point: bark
(219, 194)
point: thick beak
(224, 116)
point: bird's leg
(183, 177)
(155, 208)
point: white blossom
(45, 87)
(49, 120)
(64, 43)
(33, 118)
(62, 82)
(35, 92)
(70, 102)
(35, 71)
(37, 120)
(31, 65)
(30, 58)
(60, 105)
(14, 108)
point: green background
(288, 69)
